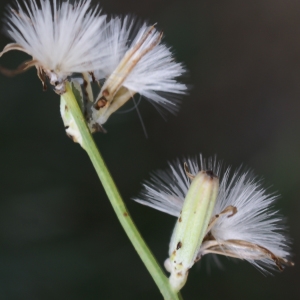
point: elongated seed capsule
(191, 226)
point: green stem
(117, 203)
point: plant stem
(116, 201)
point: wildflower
(242, 223)
(143, 66)
(61, 38)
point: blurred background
(59, 236)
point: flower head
(61, 38)
(243, 223)
(144, 66)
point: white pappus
(243, 223)
(144, 65)
(61, 37)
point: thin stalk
(115, 199)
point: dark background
(59, 236)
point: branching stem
(116, 201)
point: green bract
(191, 226)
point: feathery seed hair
(244, 223)
(140, 63)
(61, 37)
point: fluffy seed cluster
(61, 38)
(65, 38)
(146, 66)
(244, 223)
